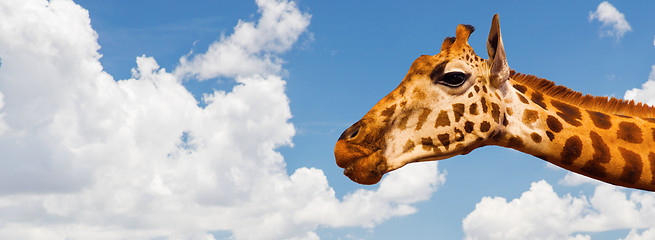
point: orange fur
(609, 105)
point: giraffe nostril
(351, 132)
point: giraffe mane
(609, 105)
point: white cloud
(614, 23)
(574, 179)
(647, 234)
(495, 218)
(541, 214)
(3, 125)
(88, 157)
(647, 92)
(368, 208)
(252, 47)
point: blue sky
(347, 57)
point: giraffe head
(448, 104)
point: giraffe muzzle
(360, 163)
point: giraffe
(454, 102)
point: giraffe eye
(453, 79)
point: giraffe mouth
(362, 165)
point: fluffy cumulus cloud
(646, 93)
(252, 47)
(540, 213)
(614, 23)
(644, 235)
(85, 156)
(574, 179)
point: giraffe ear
(496, 51)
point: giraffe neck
(613, 148)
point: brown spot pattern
(477, 89)
(601, 155)
(538, 99)
(600, 120)
(409, 145)
(442, 119)
(473, 109)
(468, 126)
(530, 116)
(535, 137)
(387, 113)
(422, 118)
(427, 142)
(629, 132)
(470, 94)
(520, 88)
(495, 112)
(484, 89)
(402, 90)
(633, 166)
(550, 135)
(553, 124)
(444, 139)
(458, 111)
(390, 97)
(568, 113)
(485, 126)
(572, 150)
(522, 98)
(510, 111)
(403, 122)
(483, 102)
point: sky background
(217, 119)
